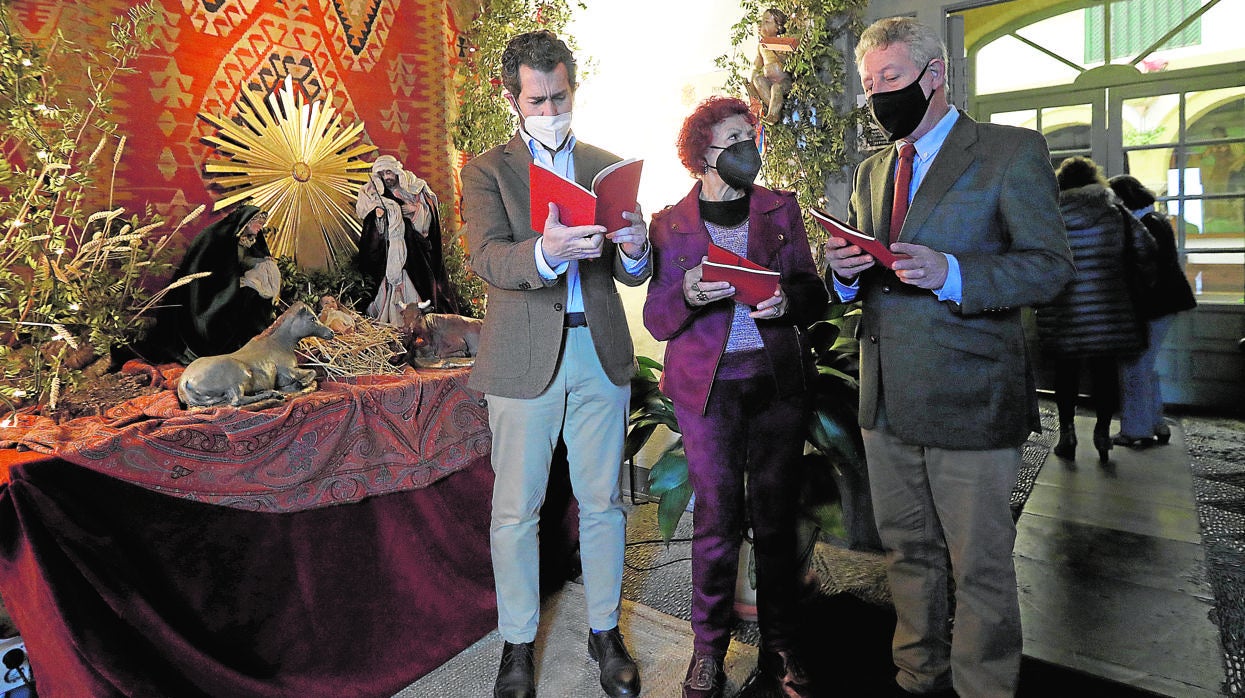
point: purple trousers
(746, 429)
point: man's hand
(633, 237)
(563, 244)
(847, 261)
(380, 212)
(698, 293)
(927, 269)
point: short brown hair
(540, 50)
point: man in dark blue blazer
(946, 391)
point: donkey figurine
(264, 368)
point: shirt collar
(535, 147)
(927, 146)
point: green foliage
(72, 285)
(471, 289)
(1135, 137)
(340, 280)
(808, 146)
(831, 431)
(484, 119)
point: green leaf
(670, 509)
(636, 438)
(669, 472)
(833, 437)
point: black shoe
(1135, 443)
(786, 674)
(619, 675)
(1102, 444)
(705, 677)
(1162, 434)
(516, 677)
(1066, 448)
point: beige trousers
(936, 507)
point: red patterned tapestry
(384, 62)
(346, 441)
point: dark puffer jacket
(1094, 315)
(1171, 293)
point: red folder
(753, 283)
(868, 243)
(614, 190)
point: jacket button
(781, 237)
(482, 402)
(557, 306)
(873, 338)
(886, 289)
(674, 226)
(682, 259)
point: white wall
(650, 62)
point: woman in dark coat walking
(1093, 321)
(1141, 409)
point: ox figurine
(440, 335)
(264, 368)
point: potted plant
(836, 495)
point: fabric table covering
(336, 545)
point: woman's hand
(771, 308)
(699, 293)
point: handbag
(1140, 262)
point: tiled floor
(1111, 573)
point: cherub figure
(770, 83)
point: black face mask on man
(738, 164)
(899, 112)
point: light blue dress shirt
(562, 163)
(927, 148)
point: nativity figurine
(230, 303)
(265, 369)
(400, 244)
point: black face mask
(738, 164)
(899, 112)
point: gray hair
(922, 41)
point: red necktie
(903, 181)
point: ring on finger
(702, 297)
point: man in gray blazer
(946, 391)
(555, 359)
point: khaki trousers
(933, 507)
(590, 413)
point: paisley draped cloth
(347, 440)
(337, 545)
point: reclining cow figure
(265, 368)
(439, 335)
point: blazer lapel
(762, 248)
(952, 159)
(518, 158)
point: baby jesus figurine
(770, 83)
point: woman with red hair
(738, 378)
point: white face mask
(549, 131)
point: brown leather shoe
(619, 676)
(785, 671)
(516, 677)
(705, 676)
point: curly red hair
(697, 131)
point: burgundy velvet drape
(118, 590)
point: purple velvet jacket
(696, 337)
